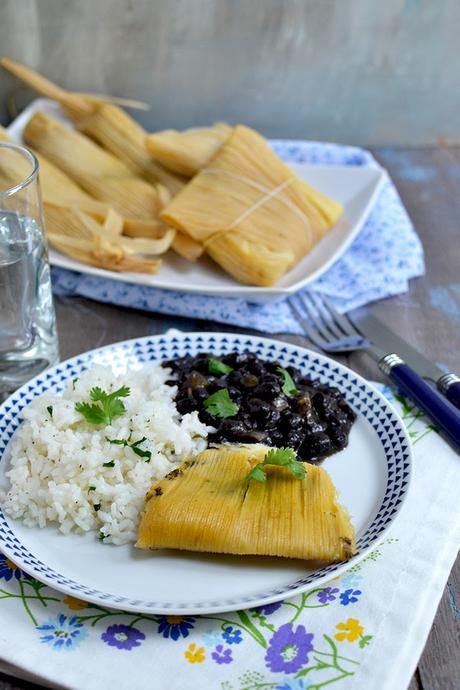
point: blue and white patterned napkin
(386, 254)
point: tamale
(99, 173)
(255, 217)
(120, 134)
(104, 122)
(59, 188)
(188, 151)
(207, 504)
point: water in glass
(28, 342)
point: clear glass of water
(28, 339)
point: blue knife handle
(427, 398)
(449, 384)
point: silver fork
(325, 327)
(335, 333)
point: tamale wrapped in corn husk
(188, 151)
(98, 172)
(256, 218)
(117, 132)
(104, 122)
(57, 187)
(207, 504)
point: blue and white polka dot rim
(367, 401)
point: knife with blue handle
(424, 395)
(377, 332)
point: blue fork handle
(427, 398)
(450, 386)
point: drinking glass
(28, 339)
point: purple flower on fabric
(288, 649)
(268, 609)
(9, 571)
(221, 655)
(175, 626)
(62, 632)
(122, 636)
(349, 596)
(327, 594)
(232, 635)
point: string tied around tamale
(268, 194)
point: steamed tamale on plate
(209, 504)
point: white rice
(57, 471)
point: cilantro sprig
(221, 405)
(288, 384)
(284, 457)
(215, 366)
(106, 406)
(134, 446)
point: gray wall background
(358, 71)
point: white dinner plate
(372, 476)
(356, 187)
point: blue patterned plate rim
(363, 397)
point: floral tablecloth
(364, 630)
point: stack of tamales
(222, 190)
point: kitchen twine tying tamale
(268, 194)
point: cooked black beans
(315, 421)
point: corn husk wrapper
(186, 247)
(57, 187)
(99, 173)
(79, 236)
(188, 151)
(207, 505)
(117, 132)
(256, 218)
(104, 122)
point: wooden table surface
(428, 316)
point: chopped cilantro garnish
(215, 366)
(288, 384)
(106, 407)
(91, 488)
(97, 506)
(221, 405)
(134, 446)
(109, 464)
(49, 409)
(285, 457)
